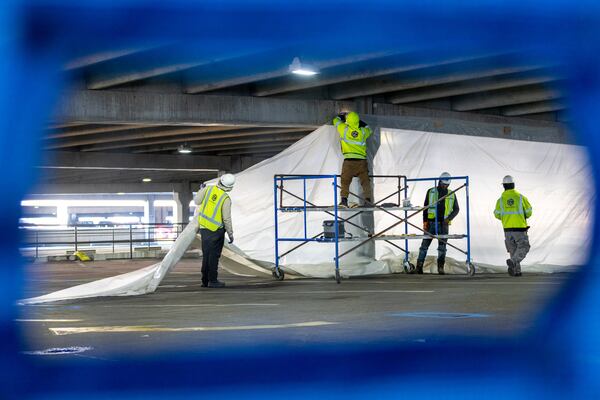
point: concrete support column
(182, 200)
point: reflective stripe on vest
(448, 204)
(210, 215)
(350, 145)
(514, 216)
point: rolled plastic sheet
(141, 281)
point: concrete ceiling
(241, 107)
(498, 84)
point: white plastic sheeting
(141, 281)
(555, 177)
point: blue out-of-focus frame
(558, 358)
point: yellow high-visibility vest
(353, 139)
(211, 216)
(448, 204)
(513, 209)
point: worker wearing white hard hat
(436, 220)
(214, 219)
(513, 209)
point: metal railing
(40, 240)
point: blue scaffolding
(334, 211)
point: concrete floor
(252, 311)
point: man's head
(352, 119)
(226, 182)
(444, 180)
(508, 182)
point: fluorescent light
(121, 193)
(147, 180)
(184, 149)
(296, 67)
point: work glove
(230, 239)
(426, 226)
(362, 124)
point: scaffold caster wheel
(409, 268)
(278, 274)
(470, 269)
(338, 278)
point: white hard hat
(507, 179)
(227, 180)
(444, 178)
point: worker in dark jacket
(436, 220)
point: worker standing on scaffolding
(353, 135)
(437, 219)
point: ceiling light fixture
(184, 149)
(296, 67)
(147, 180)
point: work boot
(419, 269)
(216, 284)
(441, 267)
(343, 203)
(518, 269)
(511, 267)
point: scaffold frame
(334, 211)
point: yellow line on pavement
(155, 328)
(48, 320)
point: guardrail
(37, 239)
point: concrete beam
(137, 134)
(257, 151)
(96, 58)
(422, 78)
(188, 162)
(360, 70)
(505, 97)
(533, 108)
(109, 188)
(150, 63)
(91, 130)
(169, 109)
(230, 134)
(467, 87)
(213, 146)
(470, 124)
(256, 68)
(111, 106)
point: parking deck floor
(251, 311)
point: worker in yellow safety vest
(353, 134)
(513, 209)
(436, 220)
(214, 219)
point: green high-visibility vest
(513, 209)
(210, 216)
(448, 204)
(353, 140)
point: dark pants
(212, 245)
(352, 168)
(442, 229)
